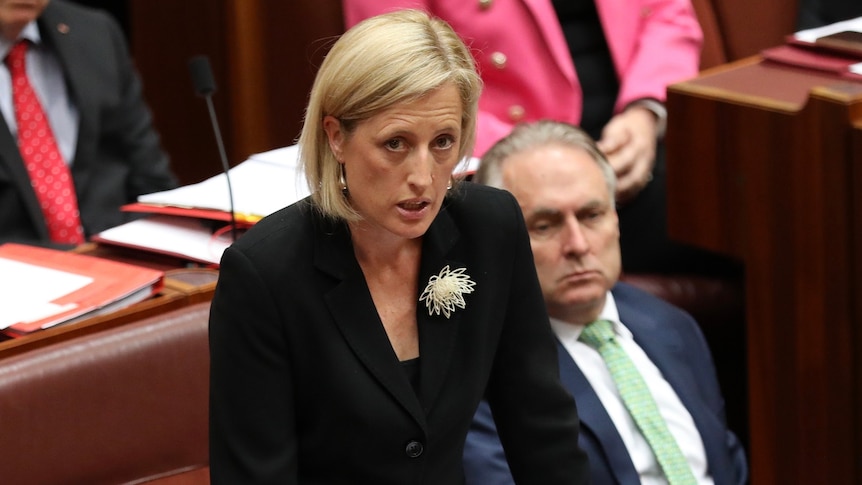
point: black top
(411, 368)
(593, 64)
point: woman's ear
(335, 135)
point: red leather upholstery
(710, 300)
(128, 405)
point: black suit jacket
(305, 386)
(118, 154)
(817, 13)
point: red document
(45, 287)
(802, 57)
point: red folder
(114, 284)
(848, 43)
(801, 57)
(242, 220)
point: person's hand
(629, 142)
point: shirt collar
(571, 331)
(30, 32)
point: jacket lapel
(544, 14)
(665, 347)
(13, 169)
(436, 332)
(353, 311)
(62, 35)
(620, 28)
(595, 419)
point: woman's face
(398, 163)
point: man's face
(16, 14)
(574, 229)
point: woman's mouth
(413, 206)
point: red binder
(818, 60)
(114, 284)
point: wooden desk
(765, 164)
(183, 286)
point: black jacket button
(414, 449)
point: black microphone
(204, 83)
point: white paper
(180, 236)
(811, 35)
(261, 185)
(27, 291)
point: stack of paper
(41, 287)
(261, 185)
(834, 48)
(181, 225)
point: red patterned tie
(49, 174)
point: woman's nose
(421, 168)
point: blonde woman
(354, 333)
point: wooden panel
(856, 288)
(298, 34)
(749, 27)
(264, 57)
(165, 34)
(762, 165)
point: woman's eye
(394, 144)
(445, 142)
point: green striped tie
(640, 403)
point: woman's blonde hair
(381, 62)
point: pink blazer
(526, 66)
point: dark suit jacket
(817, 13)
(118, 155)
(673, 341)
(305, 386)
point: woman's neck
(383, 250)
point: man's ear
(335, 135)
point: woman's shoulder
(484, 213)
(472, 199)
(283, 229)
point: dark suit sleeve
(699, 357)
(484, 459)
(118, 155)
(252, 415)
(128, 127)
(536, 417)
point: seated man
(76, 137)
(639, 368)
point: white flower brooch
(446, 291)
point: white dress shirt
(46, 76)
(678, 419)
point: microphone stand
(204, 82)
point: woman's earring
(451, 183)
(342, 180)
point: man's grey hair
(537, 134)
